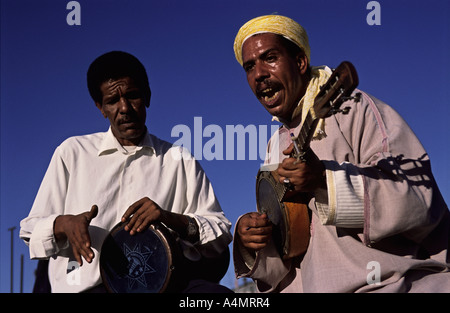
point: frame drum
(143, 263)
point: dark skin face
(124, 104)
(278, 79)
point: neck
(296, 116)
(294, 122)
(131, 141)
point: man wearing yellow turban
(378, 220)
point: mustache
(267, 83)
(126, 119)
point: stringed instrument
(287, 210)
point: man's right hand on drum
(255, 231)
(74, 228)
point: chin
(133, 133)
(275, 112)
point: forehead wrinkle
(115, 86)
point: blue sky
(187, 48)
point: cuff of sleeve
(204, 228)
(244, 262)
(247, 257)
(344, 206)
(42, 242)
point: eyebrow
(261, 56)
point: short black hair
(115, 65)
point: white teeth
(267, 98)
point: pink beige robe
(381, 225)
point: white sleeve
(37, 229)
(342, 205)
(42, 243)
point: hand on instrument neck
(304, 176)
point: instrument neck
(304, 136)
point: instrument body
(147, 262)
(290, 220)
(152, 261)
(287, 210)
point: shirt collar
(110, 144)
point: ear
(302, 63)
(100, 107)
(147, 99)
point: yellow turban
(276, 24)
(293, 31)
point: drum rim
(267, 175)
(162, 233)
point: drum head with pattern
(141, 263)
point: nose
(124, 105)
(261, 72)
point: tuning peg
(345, 110)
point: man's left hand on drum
(141, 214)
